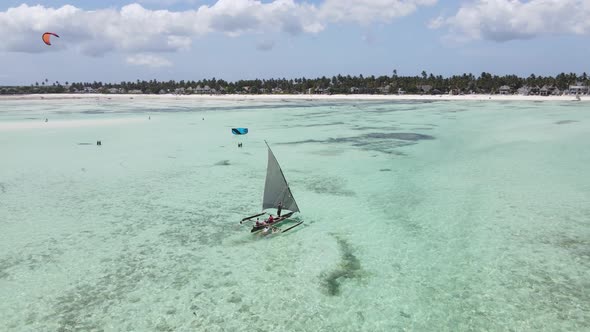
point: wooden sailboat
(277, 195)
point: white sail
(276, 189)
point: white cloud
(369, 11)
(179, 42)
(437, 22)
(168, 2)
(503, 20)
(149, 60)
(135, 29)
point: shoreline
(277, 97)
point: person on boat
(259, 223)
(279, 208)
(271, 219)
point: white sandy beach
(474, 97)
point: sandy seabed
(419, 215)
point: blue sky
(111, 40)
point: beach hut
(505, 90)
(535, 90)
(385, 89)
(524, 91)
(424, 88)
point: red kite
(46, 37)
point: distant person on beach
(46, 120)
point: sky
(118, 40)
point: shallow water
(446, 216)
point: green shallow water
(442, 216)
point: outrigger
(277, 195)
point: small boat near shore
(277, 195)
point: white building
(578, 89)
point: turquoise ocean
(418, 216)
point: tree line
(340, 84)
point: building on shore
(534, 90)
(505, 90)
(578, 89)
(384, 89)
(424, 88)
(524, 90)
(547, 90)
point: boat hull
(274, 223)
